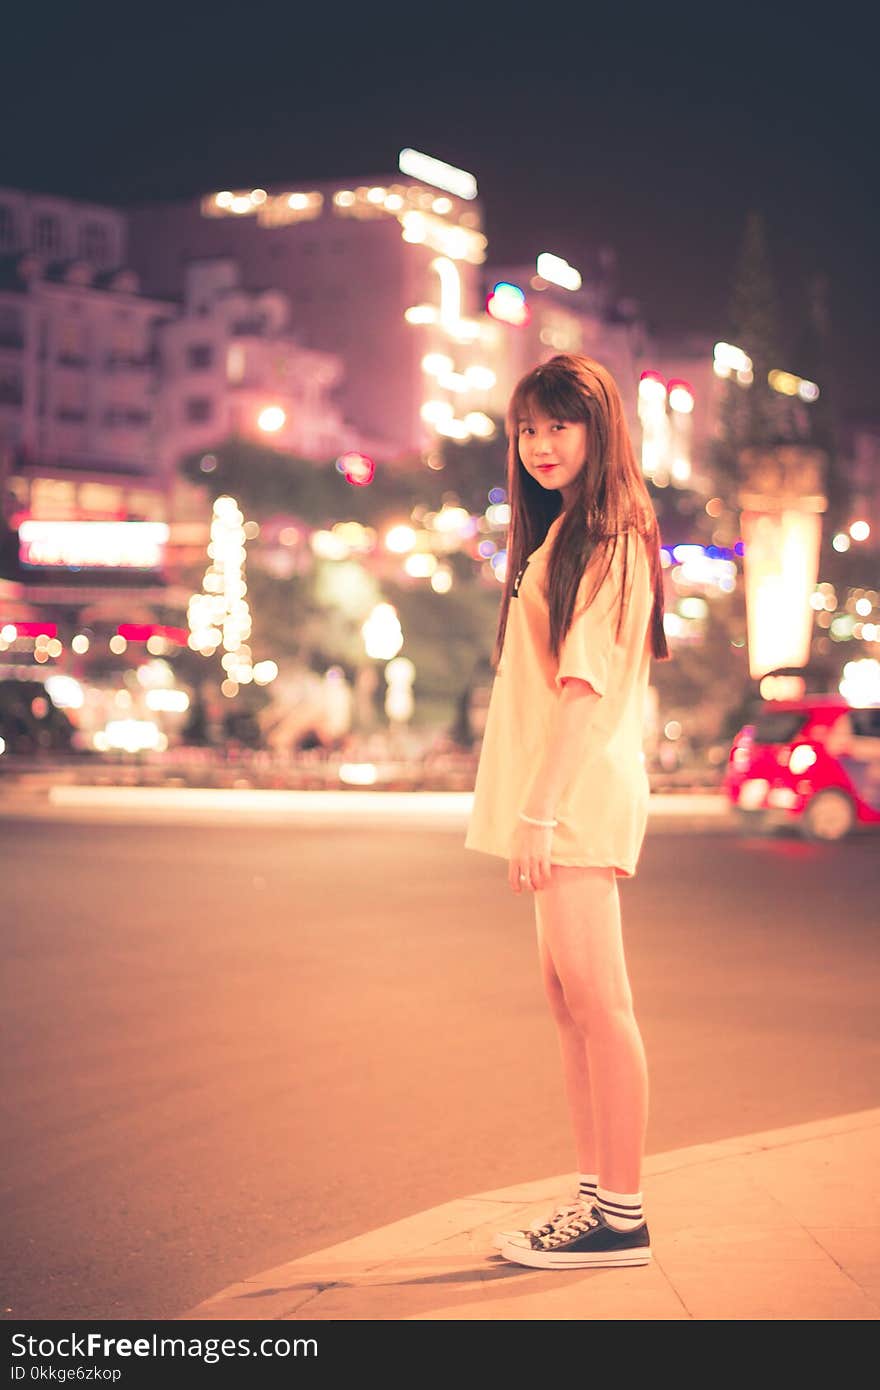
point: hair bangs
(550, 392)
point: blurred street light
(271, 419)
(382, 633)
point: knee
(555, 995)
(597, 1015)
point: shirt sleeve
(589, 643)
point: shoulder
(640, 550)
(637, 547)
(619, 548)
(622, 555)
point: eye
(526, 429)
(559, 427)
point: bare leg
(581, 934)
(573, 1052)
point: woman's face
(552, 451)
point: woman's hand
(530, 856)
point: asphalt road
(225, 1046)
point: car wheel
(830, 815)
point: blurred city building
(383, 273)
(103, 390)
(232, 368)
(61, 229)
(389, 274)
(78, 365)
(84, 518)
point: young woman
(561, 790)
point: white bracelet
(531, 820)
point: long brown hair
(611, 496)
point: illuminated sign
(558, 271)
(434, 171)
(652, 387)
(507, 303)
(781, 562)
(655, 427)
(142, 632)
(92, 544)
(10, 631)
(681, 397)
(781, 499)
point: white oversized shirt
(602, 812)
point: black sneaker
(585, 1241)
(543, 1226)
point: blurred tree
(313, 615)
(708, 678)
(813, 358)
(267, 482)
(448, 637)
(472, 467)
(751, 414)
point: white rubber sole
(551, 1259)
(502, 1238)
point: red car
(814, 762)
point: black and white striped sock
(621, 1210)
(587, 1184)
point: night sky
(653, 132)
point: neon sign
(434, 171)
(92, 544)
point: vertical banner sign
(782, 500)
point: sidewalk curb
(434, 810)
(746, 1203)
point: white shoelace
(561, 1216)
(581, 1221)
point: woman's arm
(583, 672)
(564, 750)
(566, 745)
